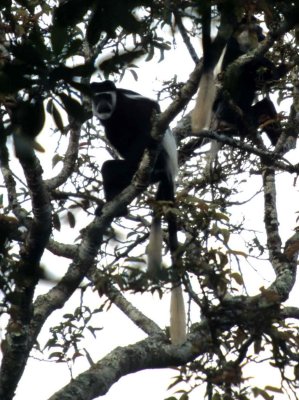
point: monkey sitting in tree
(127, 118)
(232, 107)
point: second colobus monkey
(243, 82)
(240, 85)
(127, 119)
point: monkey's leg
(117, 175)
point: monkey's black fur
(232, 107)
(127, 118)
(241, 84)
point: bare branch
(70, 158)
(136, 316)
(185, 37)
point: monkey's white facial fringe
(104, 101)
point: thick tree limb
(62, 249)
(17, 339)
(154, 352)
(149, 353)
(270, 214)
(285, 268)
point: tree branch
(271, 157)
(185, 37)
(270, 214)
(149, 353)
(10, 183)
(284, 267)
(70, 158)
(62, 249)
(17, 338)
(290, 312)
(136, 316)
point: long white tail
(166, 192)
(177, 316)
(202, 113)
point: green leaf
(238, 278)
(56, 159)
(56, 222)
(93, 330)
(260, 392)
(52, 109)
(57, 354)
(134, 73)
(51, 343)
(68, 316)
(184, 396)
(151, 52)
(221, 216)
(237, 253)
(274, 389)
(71, 219)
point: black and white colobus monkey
(245, 81)
(240, 86)
(127, 118)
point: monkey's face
(103, 99)
(103, 105)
